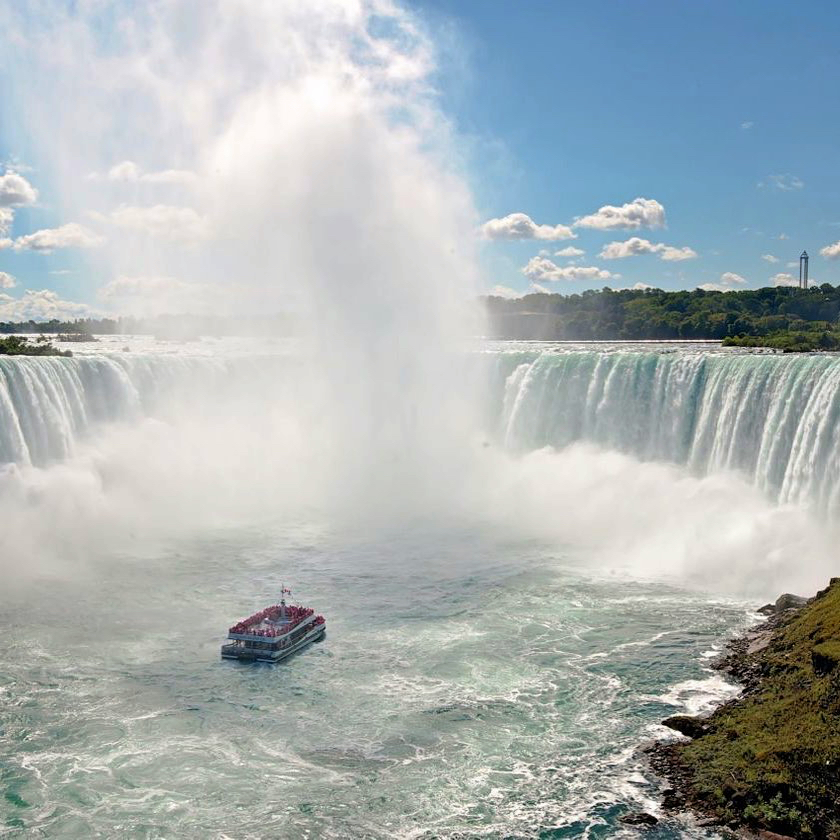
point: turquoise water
(467, 687)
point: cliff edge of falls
(768, 762)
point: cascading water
(49, 404)
(774, 419)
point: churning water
(486, 673)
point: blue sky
(577, 105)
(721, 115)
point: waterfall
(49, 404)
(774, 419)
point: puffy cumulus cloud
(729, 280)
(784, 279)
(163, 221)
(129, 171)
(785, 183)
(125, 171)
(540, 270)
(42, 305)
(16, 191)
(71, 235)
(639, 213)
(769, 258)
(7, 216)
(7, 281)
(831, 252)
(522, 226)
(635, 245)
(569, 251)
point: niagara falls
(419, 419)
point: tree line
(643, 314)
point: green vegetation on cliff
(820, 336)
(18, 345)
(634, 314)
(771, 759)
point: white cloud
(785, 183)
(129, 171)
(641, 212)
(831, 252)
(504, 292)
(7, 216)
(125, 171)
(41, 305)
(769, 258)
(71, 235)
(7, 281)
(170, 176)
(636, 287)
(6, 243)
(634, 246)
(728, 281)
(783, 236)
(146, 295)
(521, 226)
(569, 251)
(540, 269)
(175, 224)
(783, 279)
(747, 125)
(16, 191)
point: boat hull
(246, 654)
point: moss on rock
(771, 758)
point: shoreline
(766, 763)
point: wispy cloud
(784, 183)
(769, 258)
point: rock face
(693, 727)
(768, 762)
(639, 818)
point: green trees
(19, 345)
(633, 314)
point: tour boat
(274, 633)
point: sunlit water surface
(466, 688)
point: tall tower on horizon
(803, 270)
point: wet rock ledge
(767, 764)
